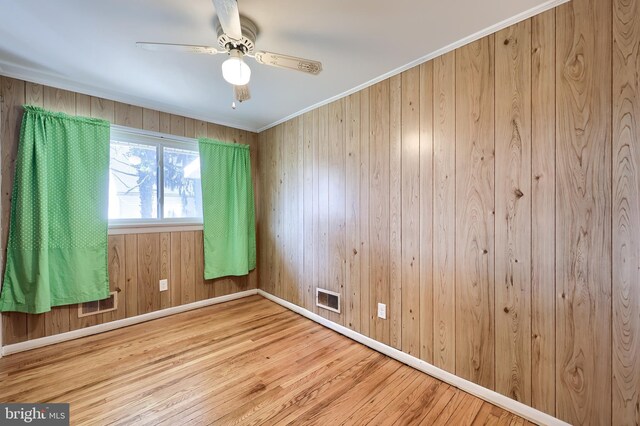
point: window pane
(182, 190)
(133, 181)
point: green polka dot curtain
(228, 209)
(57, 249)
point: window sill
(153, 228)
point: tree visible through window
(151, 181)
(182, 191)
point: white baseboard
(488, 395)
(101, 328)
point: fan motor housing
(248, 42)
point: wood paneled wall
(136, 261)
(490, 198)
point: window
(153, 179)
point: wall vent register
(99, 306)
(327, 299)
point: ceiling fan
(237, 37)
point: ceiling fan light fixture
(234, 70)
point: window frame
(159, 141)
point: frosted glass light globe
(235, 71)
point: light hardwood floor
(249, 361)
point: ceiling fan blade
(290, 62)
(170, 47)
(242, 93)
(229, 17)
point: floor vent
(99, 306)
(329, 300)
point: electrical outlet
(382, 311)
(164, 285)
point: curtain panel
(228, 209)
(57, 248)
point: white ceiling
(88, 46)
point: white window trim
(140, 226)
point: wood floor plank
(345, 405)
(490, 414)
(315, 416)
(337, 360)
(152, 356)
(187, 378)
(410, 405)
(183, 385)
(398, 404)
(424, 402)
(364, 412)
(247, 362)
(451, 413)
(301, 382)
(440, 405)
(51, 354)
(234, 374)
(320, 394)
